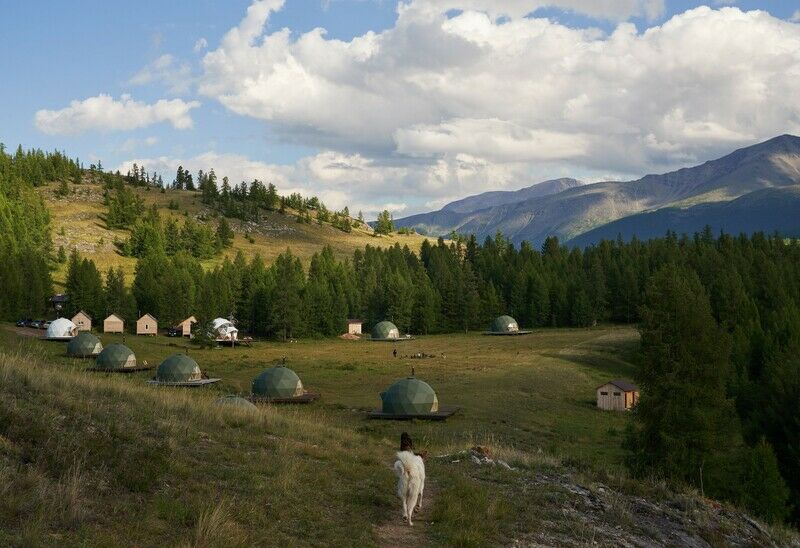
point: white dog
(410, 470)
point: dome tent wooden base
(442, 414)
(121, 369)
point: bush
(763, 491)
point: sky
(379, 104)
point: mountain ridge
(767, 210)
(453, 212)
(774, 163)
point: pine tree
(385, 223)
(287, 296)
(178, 183)
(84, 287)
(685, 425)
(224, 233)
(762, 488)
(118, 298)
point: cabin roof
(622, 384)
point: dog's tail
(406, 460)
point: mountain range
(753, 188)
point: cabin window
(617, 394)
(604, 393)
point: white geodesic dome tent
(62, 328)
(223, 329)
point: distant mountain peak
(566, 208)
(500, 197)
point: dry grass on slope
(96, 459)
(78, 223)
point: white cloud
(104, 114)
(503, 141)
(795, 17)
(200, 45)
(165, 69)
(446, 103)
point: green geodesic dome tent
(504, 324)
(385, 331)
(409, 396)
(235, 401)
(277, 382)
(115, 357)
(178, 368)
(85, 345)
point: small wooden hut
(113, 324)
(617, 395)
(82, 321)
(147, 325)
(186, 326)
(354, 326)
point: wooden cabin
(147, 325)
(82, 321)
(354, 326)
(617, 395)
(113, 324)
(186, 326)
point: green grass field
(99, 459)
(530, 392)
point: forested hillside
(25, 244)
(114, 218)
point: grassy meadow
(77, 222)
(529, 392)
(101, 459)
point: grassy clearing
(78, 223)
(533, 392)
(101, 459)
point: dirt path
(396, 533)
(23, 331)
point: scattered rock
(479, 455)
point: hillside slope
(455, 214)
(78, 223)
(500, 197)
(768, 210)
(169, 467)
(567, 214)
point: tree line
(248, 201)
(26, 247)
